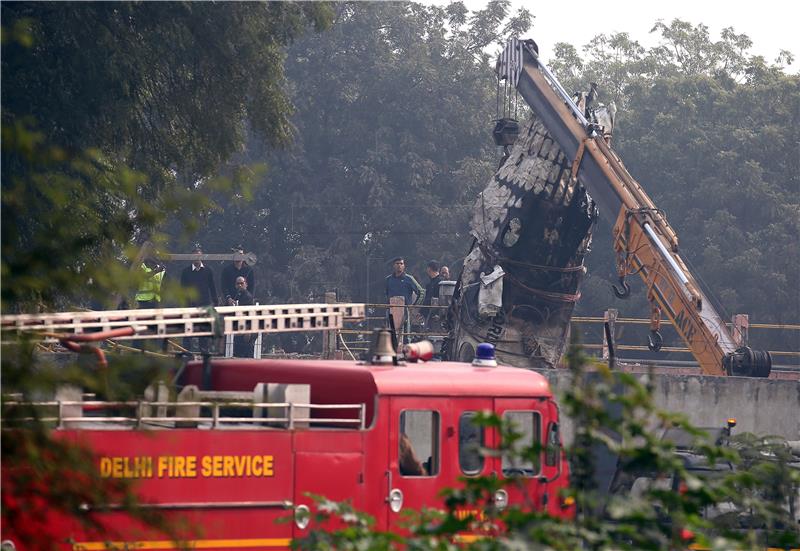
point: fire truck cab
(233, 445)
(384, 437)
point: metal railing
(292, 418)
(373, 321)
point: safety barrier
(356, 339)
(346, 328)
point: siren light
(484, 355)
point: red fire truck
(236, 444)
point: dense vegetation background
(116, 119)
(393, 108)
(371, 139)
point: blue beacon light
(484, 356)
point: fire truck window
(470, 441)
(553, 446)
(419, 443)
(522, 462)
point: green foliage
(116, 118)
(358, 531)
(393, 105)
(70, 220)
(141, 101)
(767, 489)
(139, 80)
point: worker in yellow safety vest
(149, 294)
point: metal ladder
(185, 322)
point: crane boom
(644, 241)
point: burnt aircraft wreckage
(532, 226)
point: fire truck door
(420, 461)
(528, 418)
(328, 464)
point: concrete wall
(760, 406)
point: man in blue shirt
(401, 284)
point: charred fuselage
(532, 226)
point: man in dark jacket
(232, 271)
(199, 279)
(431, 289)
(242, 344)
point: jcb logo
(684, 325)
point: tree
(393, 108)
(138, 80)
(94, 91)
(91, 91)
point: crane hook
(654, 341)
(626, 289)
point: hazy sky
(772, 25)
